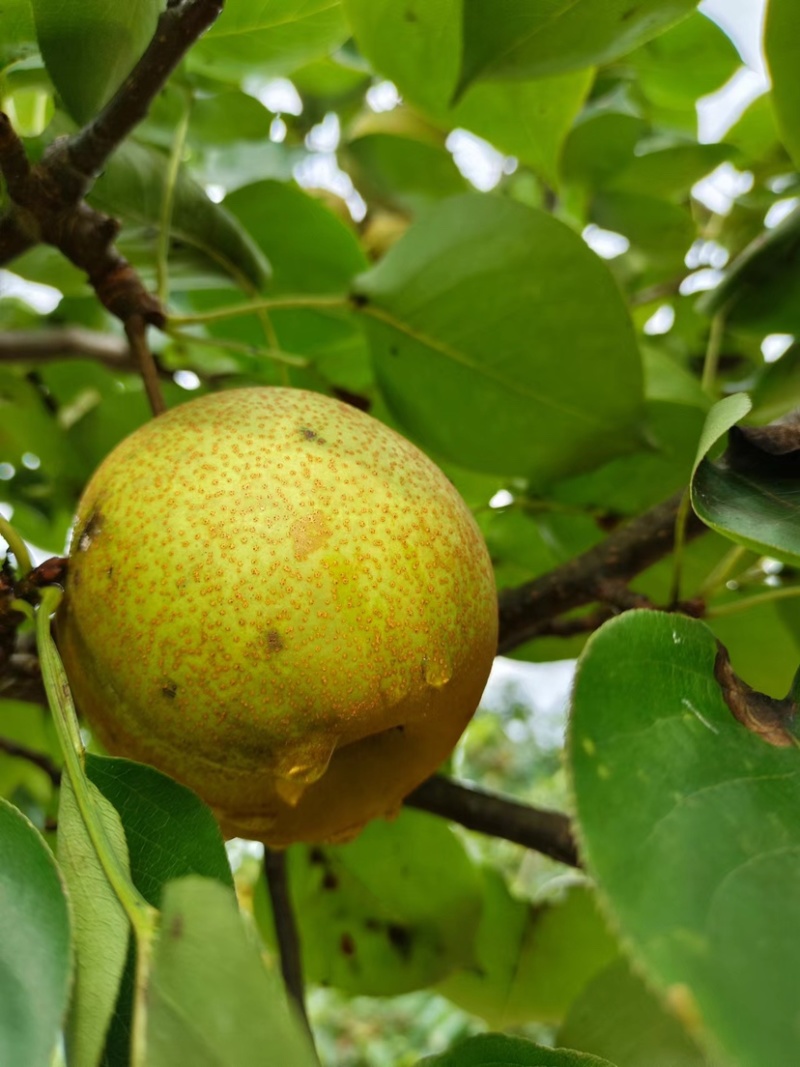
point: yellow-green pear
(282, 603)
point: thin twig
(286, 931)
(38, 346)
(136, 330)
(38, 759)
(543, 831)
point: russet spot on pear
(282, 603)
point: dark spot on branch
(176, 928)
(274, 641)
(330, 881)
(169, 689)
(316, 855)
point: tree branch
(286, 930)
(38, 759)
(528, 610)
(39, 346)
(543, 831)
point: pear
(282, 603)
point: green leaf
(660, 230)
(516, 39)
(35, 955)
(268, 37)
(391, 911)
(690, 60)
(616, 1016)
(170, 831)
(531, 960)
(750, 493)
(310, 249)
(133, 184)
(89, 48)
(760, 292)
(599, 146)
(669, 172)
(782, 50)
(211, 1000)
(662, 772)
(490, 314)
(497, 1050)
(19, 32)
(418, 45)
(403, 173)
(101, 928)
(724, 414)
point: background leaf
(133, 184)
(782, 50)
(90, 48)
(392, 911)
(35, 953)
(493, 338)
(617, 1017)
(514, 39)
(268, 37)
(418, 46)
(496, 1050)
(211, 998)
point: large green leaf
(517, 39)
(392, 911)
(268, 37)
(497, 1050)
(211, 1000)
(531, 960)
(750, 493)
(418, 45)
(688, 823)
(101, 927)
(170, 834)
(90, 47)
(170, 831)
(502, 343)
(618, 1017)
(35, 955)
(133, 185)
(782, 48)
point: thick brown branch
(178, 28)
(38, 759)
(538, 829)
(286, 932)
(13, 240)
(527, 611)
(40, 346)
